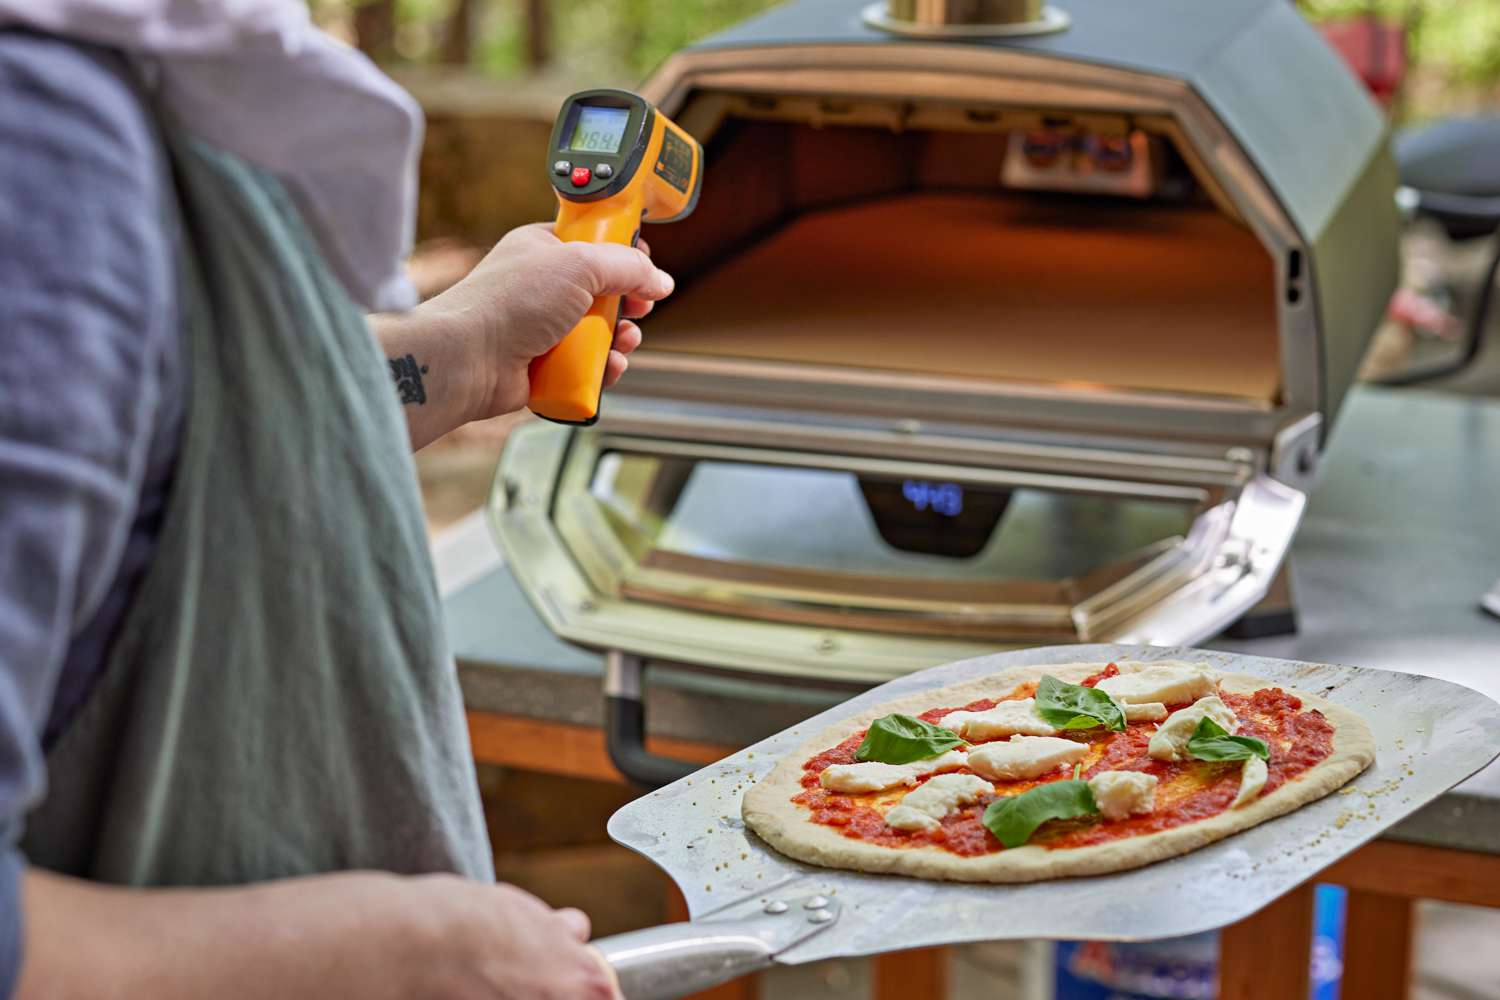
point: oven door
(862, 566)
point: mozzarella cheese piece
(924, 808)
(1025, 757)
(1120, 793)
(873, 776)
(1166, 684)
(1008, 718)
(1252, 780)
(1170, 740)
(1146, 711)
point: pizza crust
(769, 811)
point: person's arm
(86, 295)
(85, 298)
(358, 935)
(463, 355)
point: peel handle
(673, 960)
(567, 381)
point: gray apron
(280, 699)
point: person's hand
(359, 935)
(466, 940)
(530, 290)
(464, 355)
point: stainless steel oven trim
(907, 468)
(784, 388)
(1262, 523)
(1149, 459)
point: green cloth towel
(280, 699)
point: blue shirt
(92, 396)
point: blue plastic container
(1187, 968)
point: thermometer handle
(567, 381)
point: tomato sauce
(1110, 670)
(1186, 791)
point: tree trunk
(375, 28)
(538, 35)
(458, 34)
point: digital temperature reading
(599, 130)
(941, 498)
(934, 517)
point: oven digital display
(599, 130)
(946, 499)
(934, 517)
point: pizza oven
(984, 336)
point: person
(233, 761)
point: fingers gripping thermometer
(617, 162)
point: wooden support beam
(561, 748)
(903, 975)
(1267, 955)
(1377, 945)
(1411, 870)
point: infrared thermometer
(615, 162)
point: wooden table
(1263, 957)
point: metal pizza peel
(751, 907)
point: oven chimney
(964, 18)
(950, 12)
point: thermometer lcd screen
(599, 130)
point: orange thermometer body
(616, 162)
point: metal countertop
(1400, 541)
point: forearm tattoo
(408, 376)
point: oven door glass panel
(880, 551)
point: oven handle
(625, 726)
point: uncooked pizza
(1044, 772)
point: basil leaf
(1014, 819)
(1211, 741)
(901, 739)
(1073, 706)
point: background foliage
(621, 40)
(1460, 38)
(1453, 46)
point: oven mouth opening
(990, 246)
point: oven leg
(1267, 955)
(625, 726)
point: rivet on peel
(776, 906)
(816, 903)
(819, 917)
